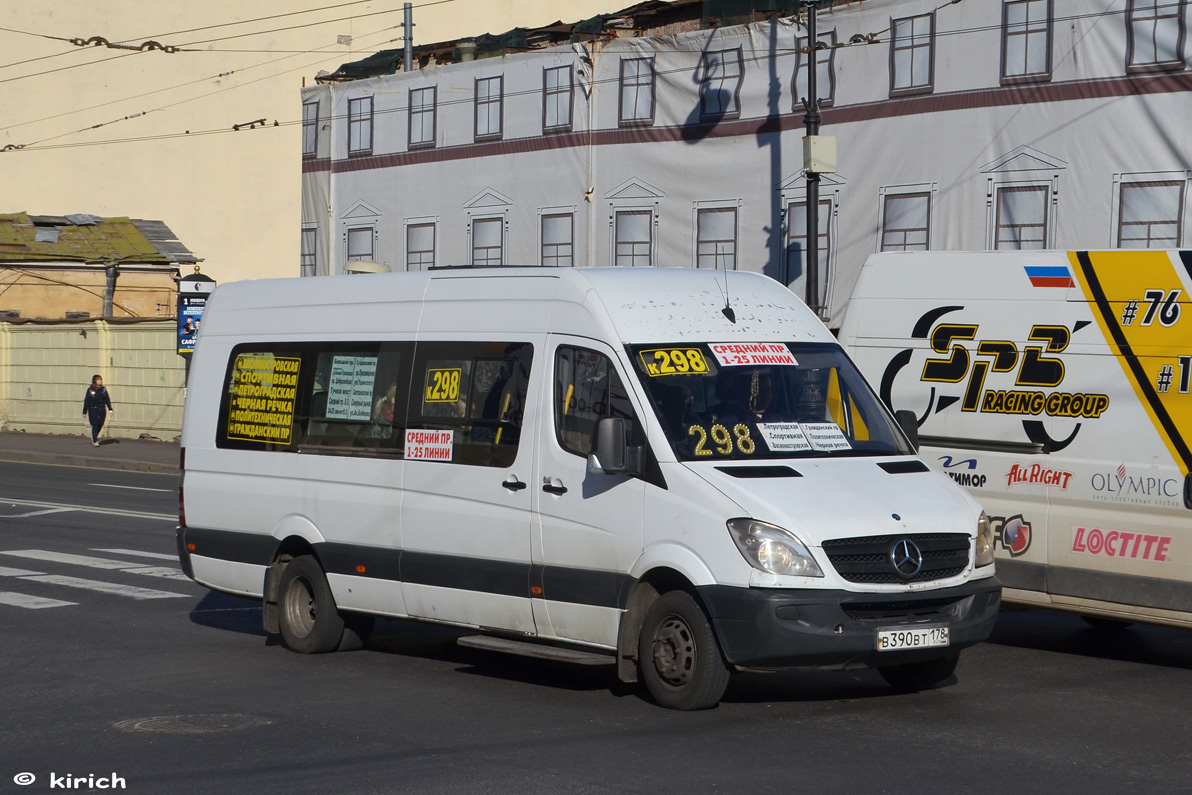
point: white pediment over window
(634, 189)
(362, 209)
(799, 180)
(488, 198)
(1024, 158)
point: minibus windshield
(767, 400)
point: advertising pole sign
(192, 299)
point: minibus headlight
(771, 549)
(984, 555)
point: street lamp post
(814, 161)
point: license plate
(920, 638)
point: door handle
(553, 486)
(513, 484)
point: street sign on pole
(192, 299)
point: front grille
(867, 560)
(897, 611)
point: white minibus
(679, 473)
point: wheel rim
(674, 652)
(300, 607)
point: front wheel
(307, 617)
(678, 654)
(912, 677)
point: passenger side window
(358, 397)
(467, 401)
(587, 389)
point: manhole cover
(191, 724)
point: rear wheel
(307, 617)
(912, 677)
(678, 654)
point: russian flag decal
(1050, 275)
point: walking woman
(96, 405)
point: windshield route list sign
(262, 400)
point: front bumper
(775, 629)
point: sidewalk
(138, 455)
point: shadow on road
(221, 611)
(1066, 633)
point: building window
(1021, 219)
(420, 247)
(635, 239)
(1156, 35)
(796, 236)
(489, 107)
(716, 238)
(557, 83)
(720, 85)
(912, 55)
(1151, 214)
(825, 75)
(488, 237)
(360, 120)
(637, 91)
(307, 250)
(360, 243)
(310, 129)
(906, 222)
(422, 117)
(558, 240)
(1026, 40)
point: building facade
(966, 126)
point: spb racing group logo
(1012, 535)
(980, 368)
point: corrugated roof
(88, 238)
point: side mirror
(613, 455)
(909, 425)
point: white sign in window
(350, 390)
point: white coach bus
(675, 472)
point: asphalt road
(177, 690)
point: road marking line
(39, 513)
(75, 560)
(98, 563)
(138, 553)
(105, 587)
(135, 488)
(30, 602)
(7, 572)
(160, 571)
(165, 517)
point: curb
(91, 462)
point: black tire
(306, 612)
(678, 655)
(913, 677)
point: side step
(539, 650)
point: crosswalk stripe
(5, 571)
(65, 557)
(98, 563)
(104, 587)
(138, 554)
(30, 602)
(165, 572)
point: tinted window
(467, 400)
